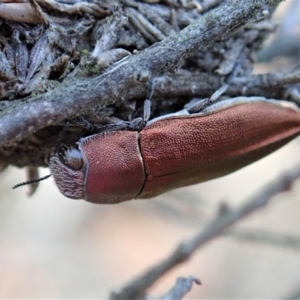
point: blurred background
(54, 247)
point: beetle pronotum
(174, 150)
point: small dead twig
(84, 7)
(181, 288)
(136, 289)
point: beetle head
(68, 169)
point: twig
(203, 85)
(129, 78)
(182, 287)
(265, 237)
(188, 213)
(84, 7)
(136, 289)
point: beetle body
(175, 150)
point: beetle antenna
(59, 141)
(31, 181)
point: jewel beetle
(174, 150)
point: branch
(272, 85)
(291, 242)
(181, 211)
(129, 78)
(136, 289)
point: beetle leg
(136, 124)
(199, 105)
(147, 103)
(120, 125)
(116, 125)
(147, 110)
(203, 103)
(84, 123)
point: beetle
(174, 150)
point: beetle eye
(71, 157)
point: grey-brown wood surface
(98, 61)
